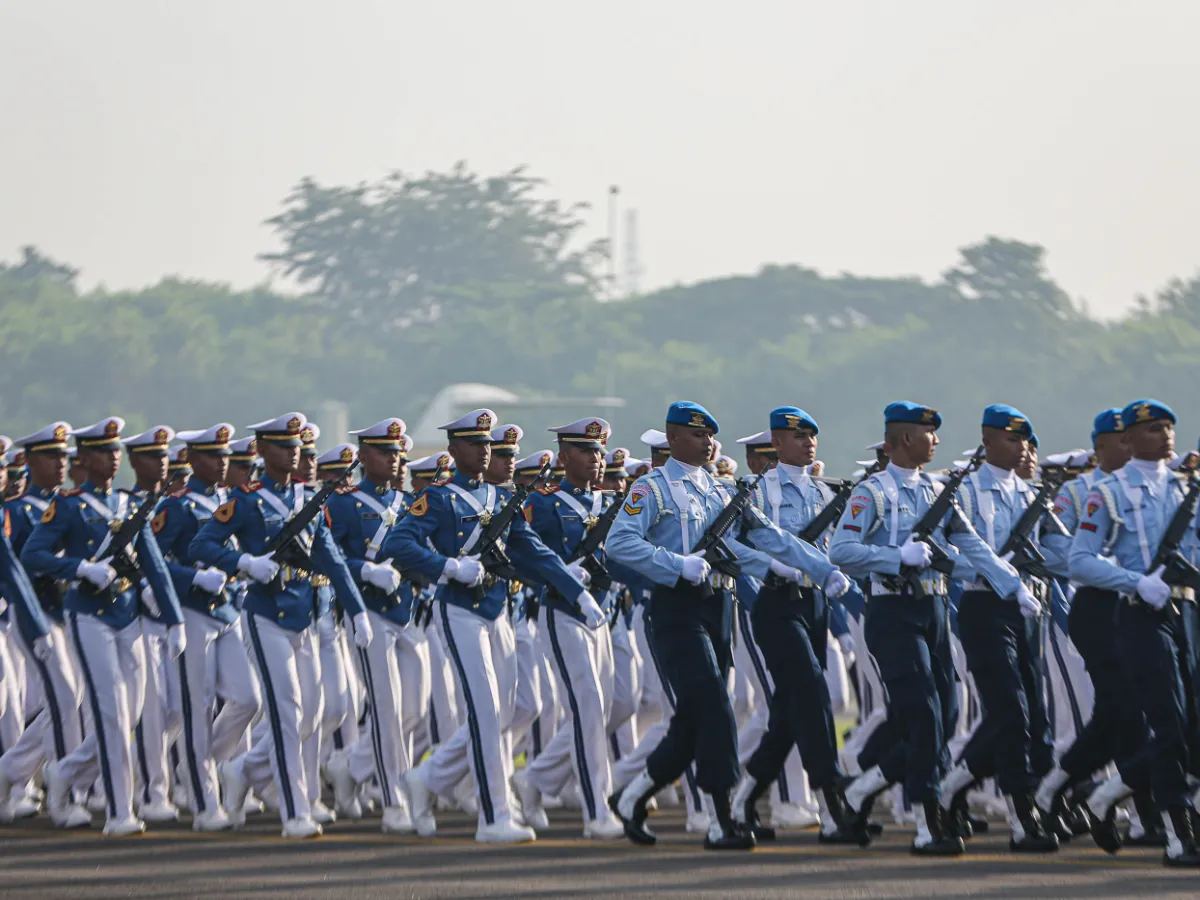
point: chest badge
(389, 517)
(485, 518)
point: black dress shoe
(1104, 831)
(730, 839)
(958, 819)
(874, 829)
(1078, 820)
(635, 828)
(946, 846)
(846, 835)
(1034, 843)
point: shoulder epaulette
(547, 489)
(73, 492)
(250, 487)
(348, 489)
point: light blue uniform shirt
(648, 535)
(863, 543)
(1109, 550)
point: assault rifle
(1026, 557)
(491, 551)
(285, 547)
(593, 540)
(1177, 570)
(120, 552)
(929, 523)
(712, 544)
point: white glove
(211, 581)
(1153, 589)
(593, 615)
(1030, 608)
(836, 584)
(262, 569)
(176, 641)
(695, 569)
(783, 570)
(468, 570)
(577, 569)
(917, 554)
(43, 647)
(382, 576)
(100, 574)
(363, 632)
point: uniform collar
(993, 478)
(196, 486)
(797, 475)
(95, 491)
(910, 478)
(275, 486)
(677, 471)
(567, 488)
(470, 483)
(41, 493)
(369, 487)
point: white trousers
(484, 655)
(583, 661)
(162, 719)
(56, 730)
(113, 665)
(444, 714)
(627, 690)
(337, 702)
(525, 736)
(12, 689)
(347, 732)
(289, 670)
(1070, 687)
(214, 664)
(393, 669)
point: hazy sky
(148, 137)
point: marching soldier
(160, 721)
(395, 666)
(906, 630)
(278, 614)
(1002, 642)
(56, 730)
(103, 621)
(1117, 728)
(1124, 518)
(665, 513)
(215, 662)
(436, 540)
(790, 622)
(243, 459)
(575, 639)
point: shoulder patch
(528, 513)
(159, 522)
(1094, 502)
(348, 489)
(632, 510)
(328, 520)
(547, 489)
(251, 486)
(48, 515)
(225, 511)
(7, 524)
(419, 508)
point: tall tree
(1011, 275)
(411, 249)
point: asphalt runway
(354, 860)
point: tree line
(418, 281)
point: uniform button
(281, 615)
(460, 534)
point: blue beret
(905, 411)
(1033, 439)
(1108, 422)
(685, 412)
(1146, 411)
(1007, 418)
(792, 418)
